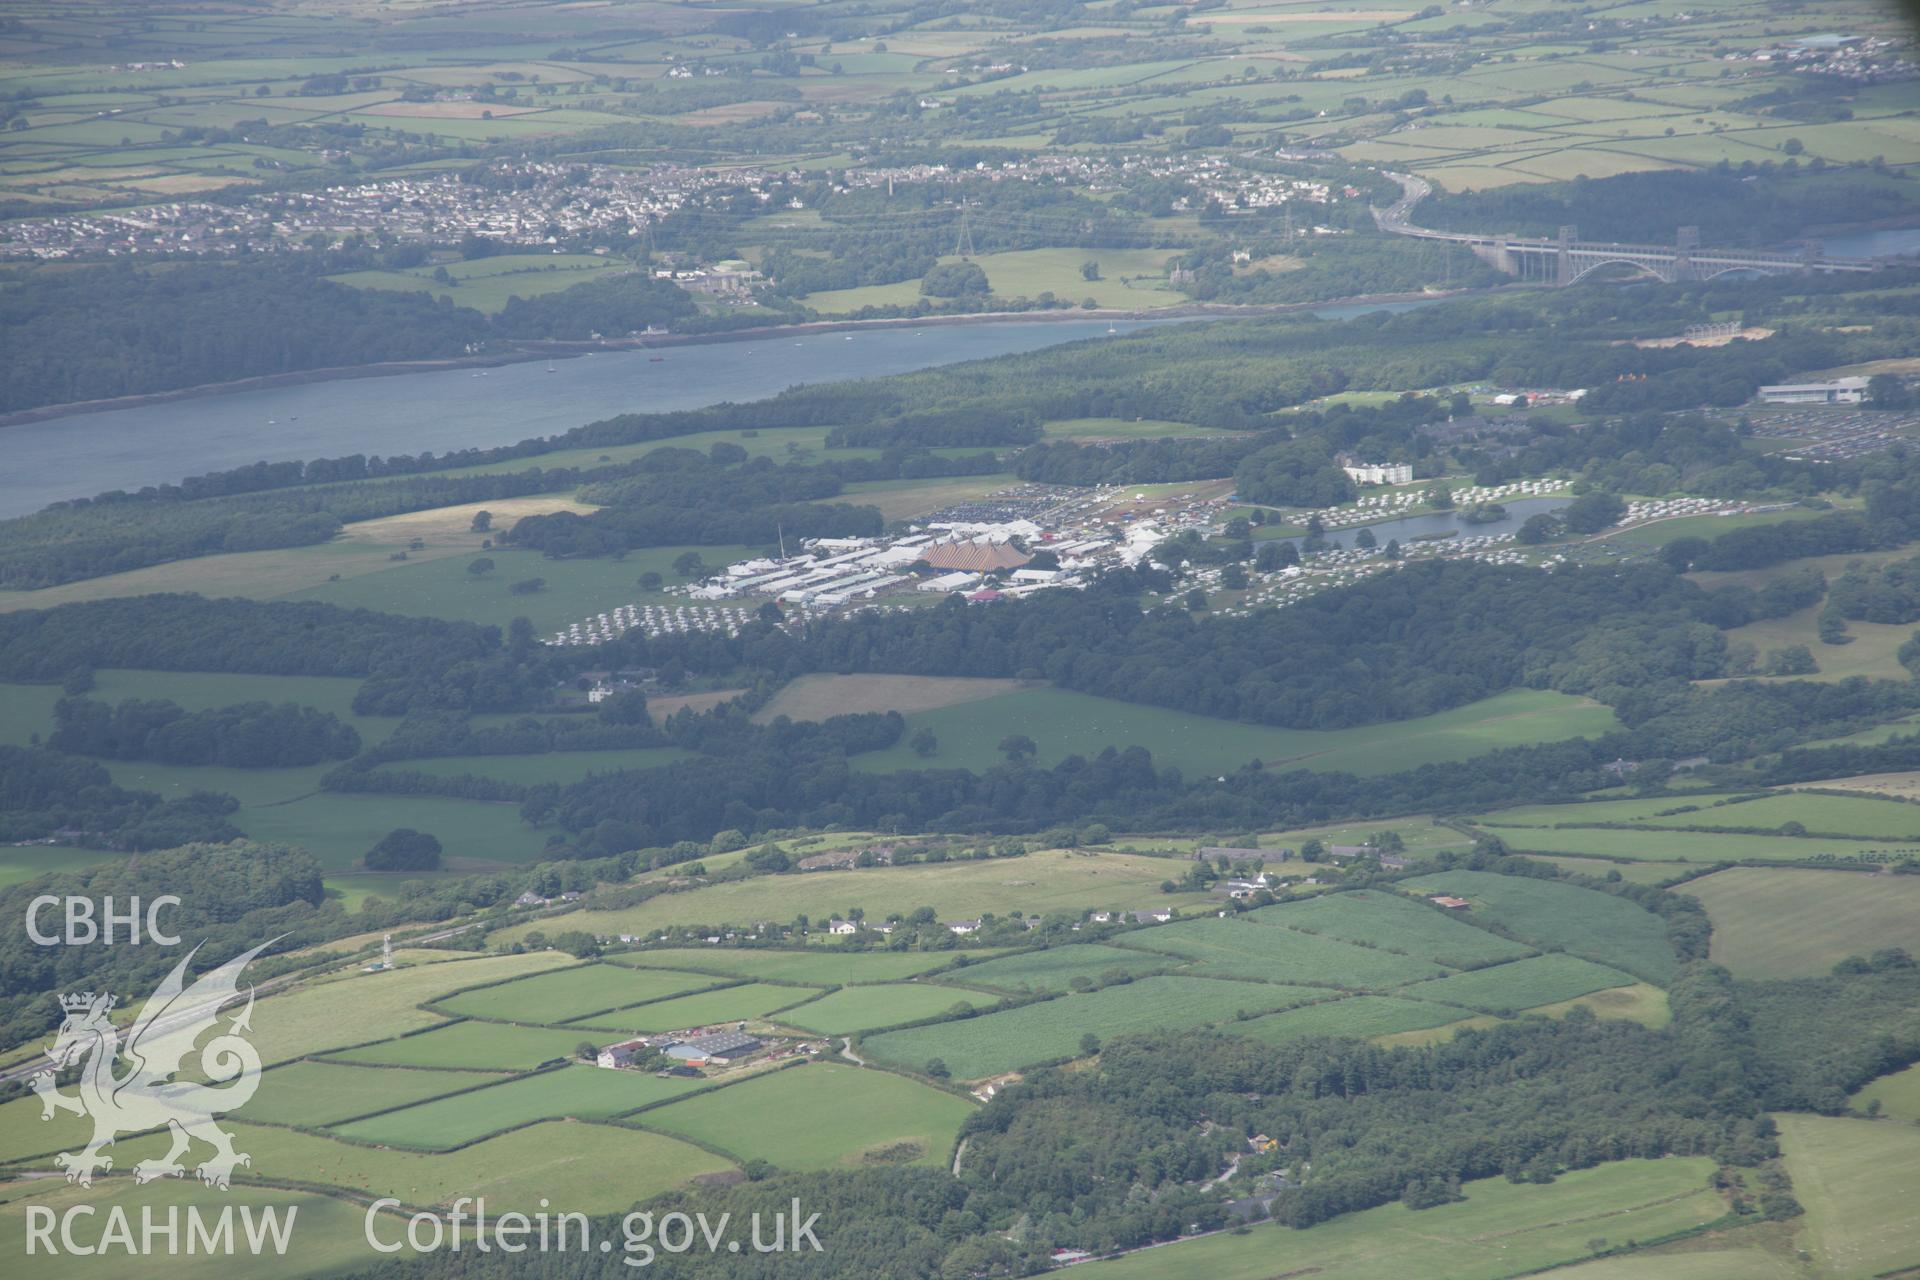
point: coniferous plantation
(959, 642)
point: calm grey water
(1873, 244)
(1445, 522)
(81, 454)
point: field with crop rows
(1584, 922)
(1520, 984)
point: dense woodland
(249, 735)
(46, 795)
(685, 496)
(231, 895)
(186, 323)
(1395, 646)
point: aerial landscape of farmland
(830, 639)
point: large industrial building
(1839, 391)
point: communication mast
(963, 244)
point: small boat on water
(550, 368)
(655, 359)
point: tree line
(248, 735)
(684, 496)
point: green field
(1064, 723)
(340, 828)
(1520, 984)
(1500, 1230)
(1698, 846)
(1130, 278)
(820, 1116)
(819, 966)
(485, 284)
(729, 1004)
(1642, 1002)
(1239, 949)
(1862, 816)
(328, 1239)
(1872, 651)
(364, 1007)
(974, 1048)
(1038, 883)
(571, 993)
(1859, 1181)
(1705, 810)
(1872, 737)
(1600, 868)
(323, 1093)
(488, 1045)
(364, 548)
(21, 864)
(1584, 922)
(1354, 1016)
(23, 1133)
(1689, 1260)
(1419, 835)
(442, 588)
(1394, 923)
(561, 1162)
(573, 1092)
(27, 709)
(1780, 922)
(1898, 1095)
(1056, 967)
(853, 1009)
(1124, 429)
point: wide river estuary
(81, 454)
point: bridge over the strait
(1567, 259)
